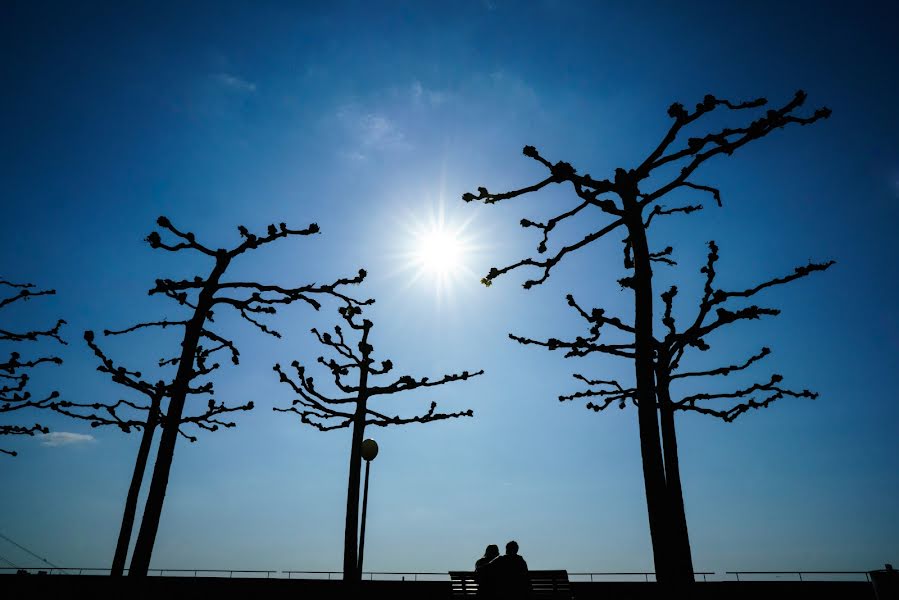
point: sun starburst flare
(438, 252)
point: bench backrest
(544, 584)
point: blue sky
(367, 118)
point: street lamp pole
(369, 452)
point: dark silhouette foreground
(504, 576)
(357, 403)
(39, 586)
(631, 201)
(201, 296)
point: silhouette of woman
(484, 574)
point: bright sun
(439, 251)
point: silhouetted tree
(146, 416)
(671, 351)
(352, 372)
(14, 378)
(638, 191)
(712, 314)
(202, 295)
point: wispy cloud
(379, 131)
(235, 83)
(352, 155)
(55, 439)
(422, 95)
(369, 131)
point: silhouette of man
(484, 574)
(510, 572)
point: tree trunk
(140, 466)
(650, 444)
(146, 537)
(351, 530)
(682, 560)
(351, 572)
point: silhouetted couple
(503, 576)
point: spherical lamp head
(369, 450)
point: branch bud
(677, 111)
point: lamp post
(369, 452)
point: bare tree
(146, 415)
(713, 313)
(202, 295)
(352, 371)
(14, 371)
(631, 201)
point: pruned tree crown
(326, 412)
(712, 314)
(14, 371)
(622, 197)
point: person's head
(492, 551)
(512, 547)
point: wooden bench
(544, 584)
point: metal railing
(815, 574)
(591, 576)
(644, 574)
(157, 572)
(413, 575)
